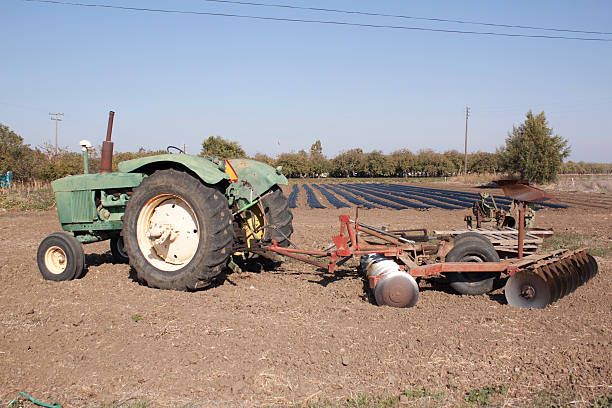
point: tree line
(43, 163)
(357, 163)
(532, 152)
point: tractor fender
(259, 177)
(207, 170)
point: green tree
(349, 164)
(317, 161)
(483, 162)
(316, 148)
(62, 164)
(18, 157)
(581, 167)
(378, 164)
(533, 151)
(294, 164)
(264, 158)
(430, 163)
(216, 146)
(403, 161)
(455, 161)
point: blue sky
(279, 86)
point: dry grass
(27, 196)
(565, 240)
(475, 179)
(595, 183)
(488, 396)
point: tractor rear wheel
(472, 249)
(177, 231)
(60, 257)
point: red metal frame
(347, 245)
(344, 249)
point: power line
(365, 13)
(295, 20)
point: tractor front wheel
(118, 250)
(60, 257)
(177, 231)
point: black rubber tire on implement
(118, 250)
(69, 257)
(473, 234)
(472, 249)
(215, 234)
(278, 216)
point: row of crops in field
(395, 196)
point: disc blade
(581, 264)
(528, 290)
(594, 268)
(569, 273)
(556, 286)
(574, 274)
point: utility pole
(56, 119)
(467, 115)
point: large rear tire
(177, 231)
(472, 249)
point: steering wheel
(181, 151)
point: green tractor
(177, 219)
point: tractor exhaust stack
(106, 161)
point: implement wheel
(472, 249)
(60, 257)
(471, 234)
(177, 231)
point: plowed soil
(294, 335)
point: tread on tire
(214, 231)
(60, 257)
(472, 249)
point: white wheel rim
(56, 260)
(168, 232)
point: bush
(533, 151)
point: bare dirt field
(296, 335)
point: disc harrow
(394, 260)
(549, 280)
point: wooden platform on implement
(505, 239)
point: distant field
(397, 196)
(585, 182)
